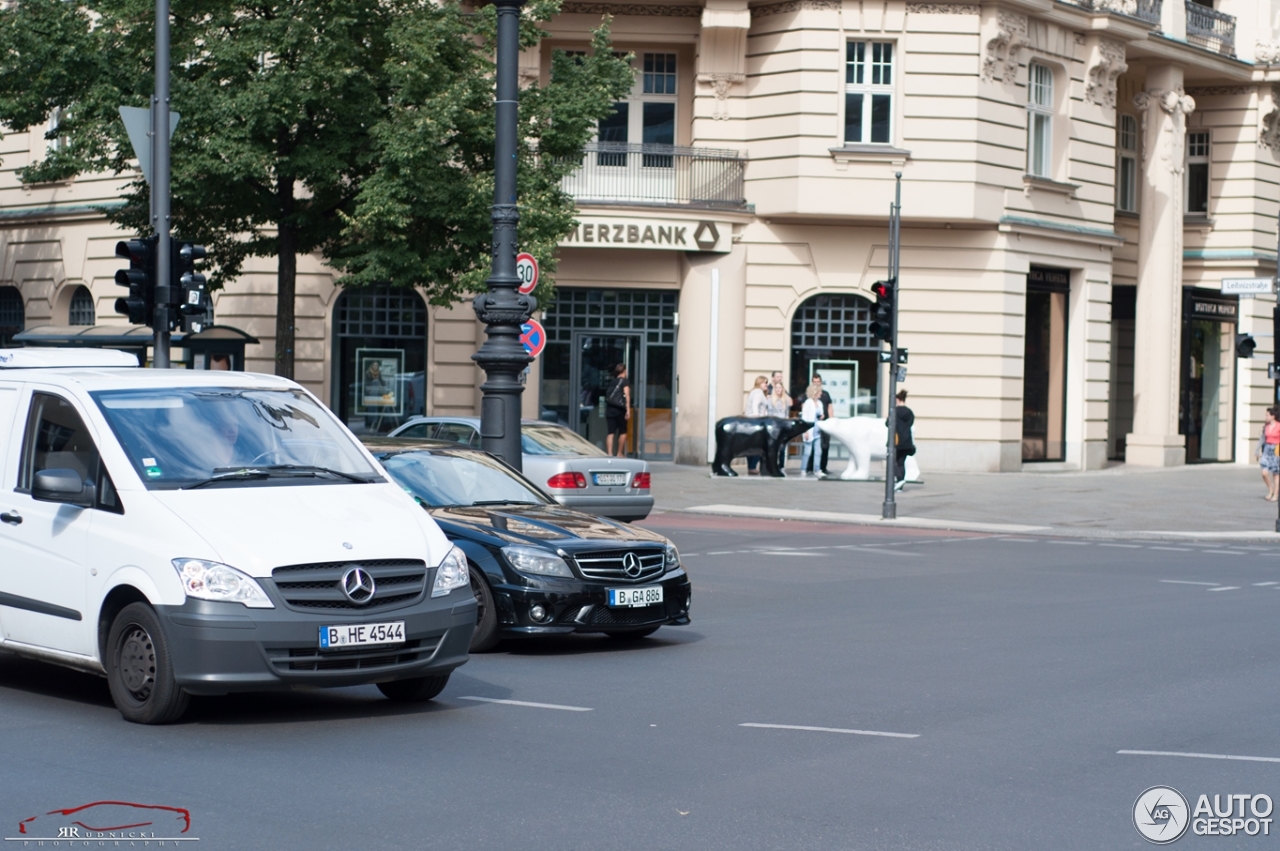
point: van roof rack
(65, 358)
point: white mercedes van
(191, 532)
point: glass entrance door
(1208, 398)
(594, 358)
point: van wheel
(140, 668)
(486, 635)
(414, 690)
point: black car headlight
(537, 562)
(671, 557)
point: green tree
(359, 129)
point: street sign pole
(160, 189)
(890, 509)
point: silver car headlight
(536, 561)
(671, 557)
(451, 574)
(209, 580)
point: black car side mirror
(59, 485)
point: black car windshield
(458, 477)
(555, 440)
(180, 437)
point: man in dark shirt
(828, 411)
(904, 441)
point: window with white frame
(53, 140)
(1198, 172)
(868, 92)
(1039, 120)
(648, 116)
(1127, 164)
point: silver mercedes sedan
(572, 470)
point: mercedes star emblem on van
(358, 585)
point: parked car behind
(574, 471)
(538, 568)
(197, 532)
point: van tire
(486, 635)
(414, 690)
(140, 668)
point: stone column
(1163, 108)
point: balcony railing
(1210, 28)
(1145, 10)
(662, 175)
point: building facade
(1077, 179)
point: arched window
(831, 334)
(12, 315)
(81, 311)
(380, 342)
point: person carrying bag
(1266, 454)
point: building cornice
(659, 10)
(1079, 233)
(60, 212)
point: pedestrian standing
(902, 439)
(810, 412)
(1266, 454)
(617, 410)
(828, 411)
(757, 406)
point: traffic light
(140, 278)
(188, 287)
(1245, 344)
(882, 324)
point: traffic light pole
(502, 309)
(890, 509)
(160, 189)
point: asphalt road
(1011, 673)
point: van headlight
(208, 580)
(536, 561)
(452, 573)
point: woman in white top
(810, 412)
(757, 406)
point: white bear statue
(866, 439)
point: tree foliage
(359, 129)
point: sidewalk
(1206, 501)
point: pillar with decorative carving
(1162, 108)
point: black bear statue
(764, 436)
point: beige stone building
(1077, 180)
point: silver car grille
(612, 564)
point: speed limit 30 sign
(527, 272)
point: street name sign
(1247, 286)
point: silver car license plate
(610, 479)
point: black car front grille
(610, 564)
(309, 587)
(313, 659)
(604, 616)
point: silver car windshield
(555, 440)
(446, 479)
(189, 437)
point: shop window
(832, 333)
(12, 315)
(380, 368)
(1044, 364)
(81, 311)
(1039, 120)
(1198, 173)
(1127, 164)
(647, 116)
(868, 92)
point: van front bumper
(219, 648)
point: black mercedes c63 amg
(538, 568)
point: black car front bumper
(219, 648)
(576, 605)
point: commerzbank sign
(650, 234)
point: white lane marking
(1072, 543)
(1202, 755)
(1171, 549)
(1188, 582)
(1224, 552)
(1226, 588)
(878, 551)
(1264, 584)
(787, 553)
(1018, 540)
(833, 730)
(721, 553)
(527, 703)
(1124, 546)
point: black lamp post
(502, 309)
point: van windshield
(193, 437)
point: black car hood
(543, 524)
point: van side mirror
(59, 485)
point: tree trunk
(286, 279)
